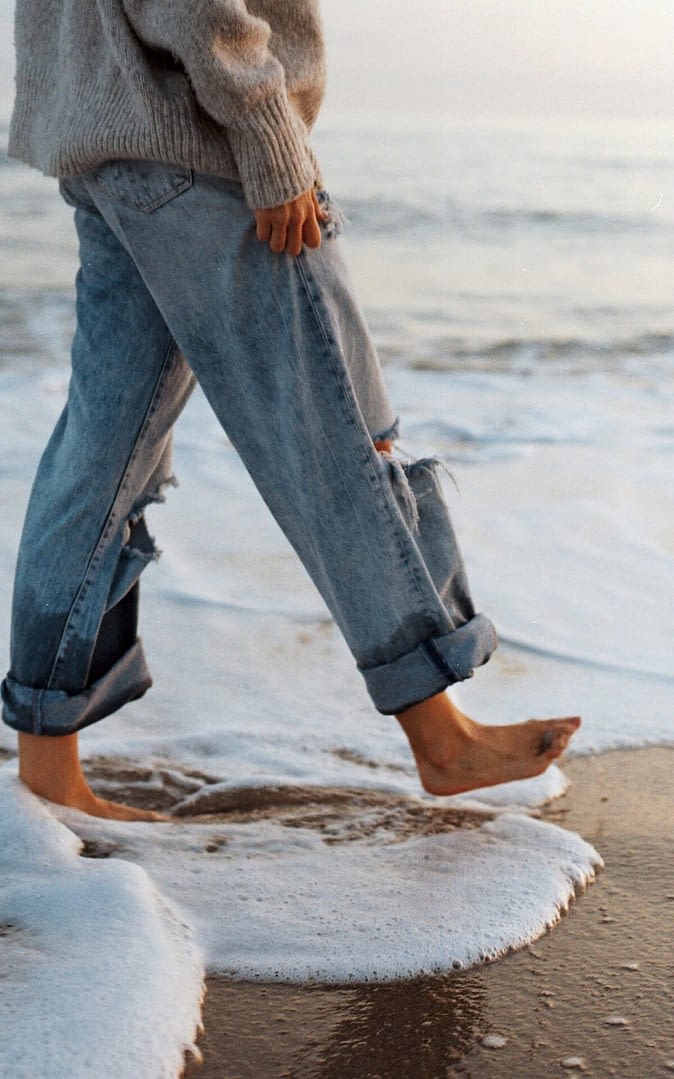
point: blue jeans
(174, 285)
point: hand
(292, 225)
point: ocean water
(475, 245)
(511, 244)
(516, 276)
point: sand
(593, 996)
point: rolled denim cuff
(54, 712)
(431, 667)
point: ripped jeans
(174, 286)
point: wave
(516, 644)
(38, 323)
(518, 352)
(374, 215)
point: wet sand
(595, 996)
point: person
(180, 134)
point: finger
(311, 233)
(278, 238)
(262, 227)
(293, 244)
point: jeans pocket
(142, 185)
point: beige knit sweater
(230, 87)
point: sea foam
(100, 975)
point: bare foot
(50, 767)
(454, 754)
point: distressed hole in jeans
(138, 546)
(396, 476)
(137, 552)
(138, 543)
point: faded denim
(174, 285)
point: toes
(546, 742)
(117, 811)
(557, 735)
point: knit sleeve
(225, 52)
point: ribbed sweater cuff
(272, 154)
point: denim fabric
(174, 285)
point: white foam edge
(273, 902)
(101, 975)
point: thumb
(321, 213)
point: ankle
(50, 767)
(436, 729)
(63, 790)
